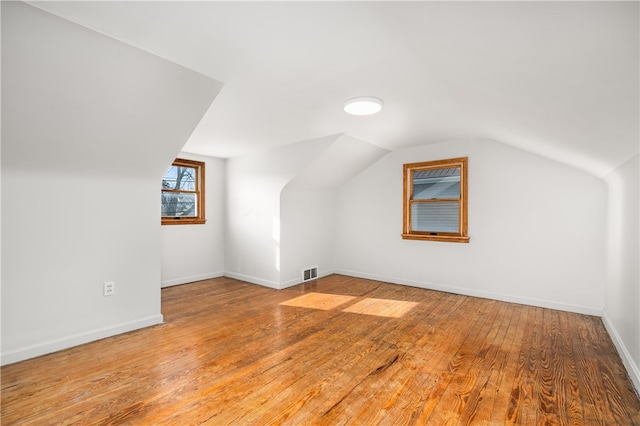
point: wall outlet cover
(109, 288)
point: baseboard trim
(627, 360)
(478, 293)
(191, 279)
(253, 280)
(27, 352)
(296, 281)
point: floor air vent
(310, 274)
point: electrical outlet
(109, 288)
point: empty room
(320, 213)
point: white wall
(622, 294)
(196, 252)
(253, 187)
(281, 207)
(307, 233)
(536, 228)
(308, 206)
(89, 127)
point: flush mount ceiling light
(363, 105)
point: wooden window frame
(453, 237)
(199, 191)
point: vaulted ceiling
(559, 79)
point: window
(183, 193)
(435, 201)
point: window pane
(179, 204)
(436, 184)
(178, 177)
(435, 217)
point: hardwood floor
(337, 351)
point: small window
(435, 201)
(183, 193)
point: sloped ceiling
(559, 79)
(333, 167)
(94, 107)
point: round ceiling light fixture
(363, 105)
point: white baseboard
(272, 284)
(632, 368)
(296, 281)
(66, 342)
(253, 280)
(191, 279)
(478, 293)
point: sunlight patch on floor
(367, 306)
(322, 301)
(382, 307)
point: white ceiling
(559, 79)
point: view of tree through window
(182, 200)
(179, 203)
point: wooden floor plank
(588, 371)
(429, 365)
(505, 372)
(485, 395)
(550, 373)
(395, 381)
(336, 351)
(572, 403)
(462, 397)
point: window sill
(442, 238)
(182, 221)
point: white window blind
(432, 209)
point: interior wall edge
(627, 360)
(70, 341)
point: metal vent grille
(310, 274)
